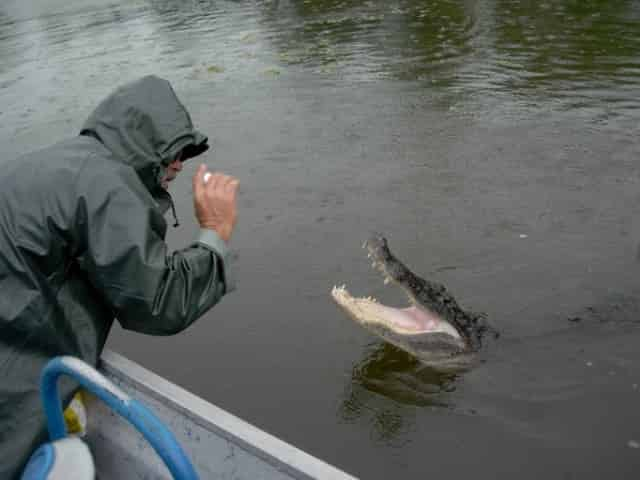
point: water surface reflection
(385, 388)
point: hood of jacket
(144, 125)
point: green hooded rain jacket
(82, 242)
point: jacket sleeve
(126, 259)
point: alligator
(434, 329)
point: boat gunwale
(263, 445)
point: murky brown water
(496, 144)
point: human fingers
(213, 184)
(222, 182)
(198, 180)
(231, 186)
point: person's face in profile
(173, 169)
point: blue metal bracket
(147, 423)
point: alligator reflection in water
(388, 373)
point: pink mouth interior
(411, 318)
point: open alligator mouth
(411, 320)
(434, 327)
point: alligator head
(434, 328)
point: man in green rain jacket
(82, 242)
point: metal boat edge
(219, 444)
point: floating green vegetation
(272, 72)
(249, 37)
(291, 58)
(215, 69)
(372, 18)
(331, 67)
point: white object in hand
(206, 177)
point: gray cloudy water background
(494, 142)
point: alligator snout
(383, 260)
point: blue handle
(156, 433)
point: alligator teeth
(386, 280)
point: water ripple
(476, 56)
